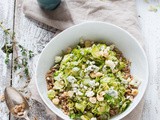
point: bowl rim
(105, 23)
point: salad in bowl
(91, 81)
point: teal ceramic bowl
(49, 4)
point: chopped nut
(70, 93)
(129, 79)
(64, 94)
(2, 98)
(49, 87)
(102, 93)
(92, 100)
(105, 53)
(94, 75)
(128, 91)
(48, 78)
(100, 98)
(134, 92)
(112, 112)
(55, 101)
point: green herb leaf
(153, 9)
(21, 61)
(31, 54)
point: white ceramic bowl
(126, 43)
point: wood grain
(35, 36)
(7, 16)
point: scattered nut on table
(2, 98)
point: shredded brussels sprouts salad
(91, 82)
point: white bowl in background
(110, 33)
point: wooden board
(7, 16)
(35, 36)
(150, 25)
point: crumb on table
(2, 98)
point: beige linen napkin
(71, 12)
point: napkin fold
(70, 12)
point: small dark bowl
(49, 4)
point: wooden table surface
(34, 36)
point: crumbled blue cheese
(91, 68)
(79, 93)
(102, 48)
(92, 83)
(104, 68)
(89, 93)
(124, 81)
(75, 69)
(81, 85)
(111, 64)
(87, 62)
(112, 92)
(71, 79)
(97, 84)
(87, 76)
(105, 53)
(75, 90)
(75, 85)
(85, 87)
(90, 62)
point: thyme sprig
(8, 46)
(20, 62)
